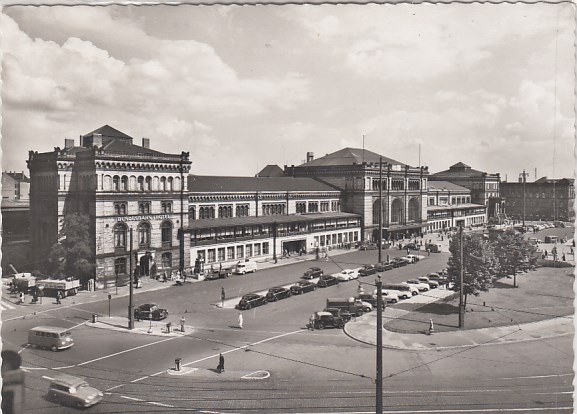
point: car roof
(324, 314)
(67, 380)
(55, 329)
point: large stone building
(359, 175)
(450, 206)
(543, 199)
(236, 218)
(124, 189)
(484, 186)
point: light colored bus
(50, 337)
(244, 267)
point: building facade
(262, 218)
(368, 180)
(543, 199)
(449, 206)
(133, 195)
(484, 186)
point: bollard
(168, 325)
(94, 318)
(177, 364)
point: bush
(553, 263)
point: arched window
(414, 213)
(162, 183)
(116, 183)
(192, 213)
(144, 234)
(120, 231)
(148, 186)
(124, 183)
(140, 184)
(166, 233)
(170, 184)
(376, 211)
(396, 211)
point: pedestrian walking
(311, 325)
(222, 297)
(22, 297)
(58, 299)
(563, 256)
(572, 251)
(545, 253)
(431, 327)
(182, 322)
(220, 367)
(240, 320)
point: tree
(73, 254)
(515, 254)
(479, 261)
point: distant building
(484, 186)
(124, 189)
(544, 199)
(355, 173)
(15, 186)
(449, 205)
(271, 171)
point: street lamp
(524, 177)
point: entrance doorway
(294, 247)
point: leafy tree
(479, 261)
(515, 254)
(73, 254)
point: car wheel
(394, 301)
(359, 312)
(341, 325)
(320, 326)
(248, 306)
(368, 309)
(53, 348)
(289, 295)
(78, 404)
(275, 299)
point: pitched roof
(18, 176)
(271, 171)
(206, 183)
(109, 132)
(446, 185)
(124, 147)
(459, 169)
(349, 156)
(544, 180)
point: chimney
(97, 140)
(310, 156)
(68, 143)
(145, 142)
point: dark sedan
(411, 246)
(251, 300)
(327, 280)
(398, 262)
(303, 287)
(383, 267)
(368, 270)
(149, 310)
(277, 293)
(313, 272)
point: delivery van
(50, 337)
(245, 267)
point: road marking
(48, 378)
(130, 398)
(257, 375)
(6, 306)
(140, 379)
(481, 410)
(160, 404)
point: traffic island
(150, 328)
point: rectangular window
(265, 248)
(211, 256)
(167, 260)
(248, 249)
(166, 206)
(230, 253)
(120, 209)
(221, 254)
(257, 249)
(144, 207)
(239, 252)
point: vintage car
(150, 311)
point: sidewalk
(364, 329)
(150, 328)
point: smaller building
(543, 199)
(449, 205)
(15, 186)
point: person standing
(222, 297)
(240, 320)
(312, 322)
(220, 367)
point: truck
(352, 305)
(218, 274)
(23, 282)
(62, 287)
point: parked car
(327, 280)
(346, 275)
(441, 279)
(277, 293)
(346, 316)
(251, 300)
(303, 287)
(368, 246)
(398, 262)
(411, 246)
(432, 283)
(327, 320)
(414, 289)
(368, 270)
(370, 298)
(423, 287)
(149, 310)
(313, 272)
(390, 296)
(73, 391)
(383, 267)
(412, 258)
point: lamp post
(461, 303)
(379, 379)
(524, 177)
(131, 289)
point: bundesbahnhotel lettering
(140, 218)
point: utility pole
(524, 175)
(380, 238)
(183, 156)
(131, 288)
(461, 303)
(379, 379)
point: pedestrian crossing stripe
(5, 306)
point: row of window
(242, 210)
(120, 264)
(443, 201)
(121, 208)
(222, 254)
(125, 183)
(143, 234)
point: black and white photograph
(360, 208)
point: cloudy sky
(243, 87)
